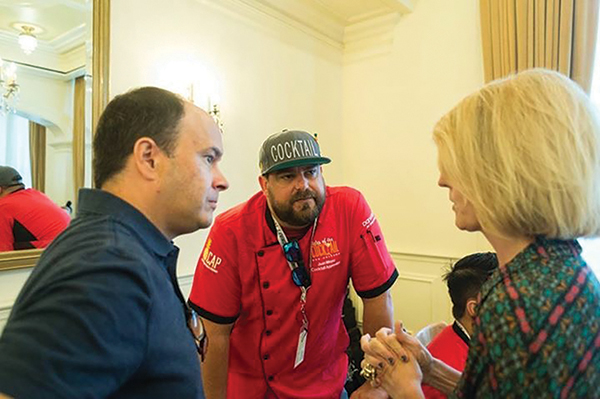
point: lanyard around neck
(282, 238)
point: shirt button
(260, 253)
(270, 378)
(266, 285)
(268, 332)
(266, 357)
(269, 312)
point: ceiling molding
(401, 6)
(34, 70)
(381, 26)
(63, 54)
(370, 38)
(71, 39)
(297, 14)
(61, 44)
(338, 23)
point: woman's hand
(416, 349)
(396, 369)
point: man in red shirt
(28, 218)
(272, 277)
(464, 282)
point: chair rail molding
(420, 296)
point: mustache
(305, 194)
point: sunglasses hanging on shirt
(300, 275)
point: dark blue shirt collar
(100, 202)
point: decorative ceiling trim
(35, 70)
(45, 55)
(67, 41)
(70, 39)
(401, 6)
(317, 20)
(370, 38)
(298, 15)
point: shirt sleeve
(80, 334)
(6, 236)
(372, 268)
(216, 290)
(432, 393)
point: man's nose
(219, 180)
(301, 182)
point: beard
(307, 213)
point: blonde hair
(525, 151)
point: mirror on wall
(54, 85)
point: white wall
(271, 77)
(391, 104)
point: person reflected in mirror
(464, 282)
(102, 315)
(521, 160)
(271, 281)
(28, 218)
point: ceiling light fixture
(27, 39)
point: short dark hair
(143, 112)
(466, 277)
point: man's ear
(263, 181)
(471, 307)
(146, 157)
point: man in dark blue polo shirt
(101, 314)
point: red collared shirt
(243, 277)
(451, 346)
(29, 219)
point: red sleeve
(215, 292)
(371, 266)
(6, 236)
(432, 393)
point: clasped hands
(396, 362)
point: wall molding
(416, 257)
(341, 26)
(185, 283)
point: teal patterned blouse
(537, 333)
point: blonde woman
(521, 159)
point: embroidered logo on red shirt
(210, 260)
(325, 254)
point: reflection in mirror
(47, 133)
(28, 218)
(49, 43)
(44, 46)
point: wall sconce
(212, 107)
(215, 112)
(8, 86)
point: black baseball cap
(9, 177)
